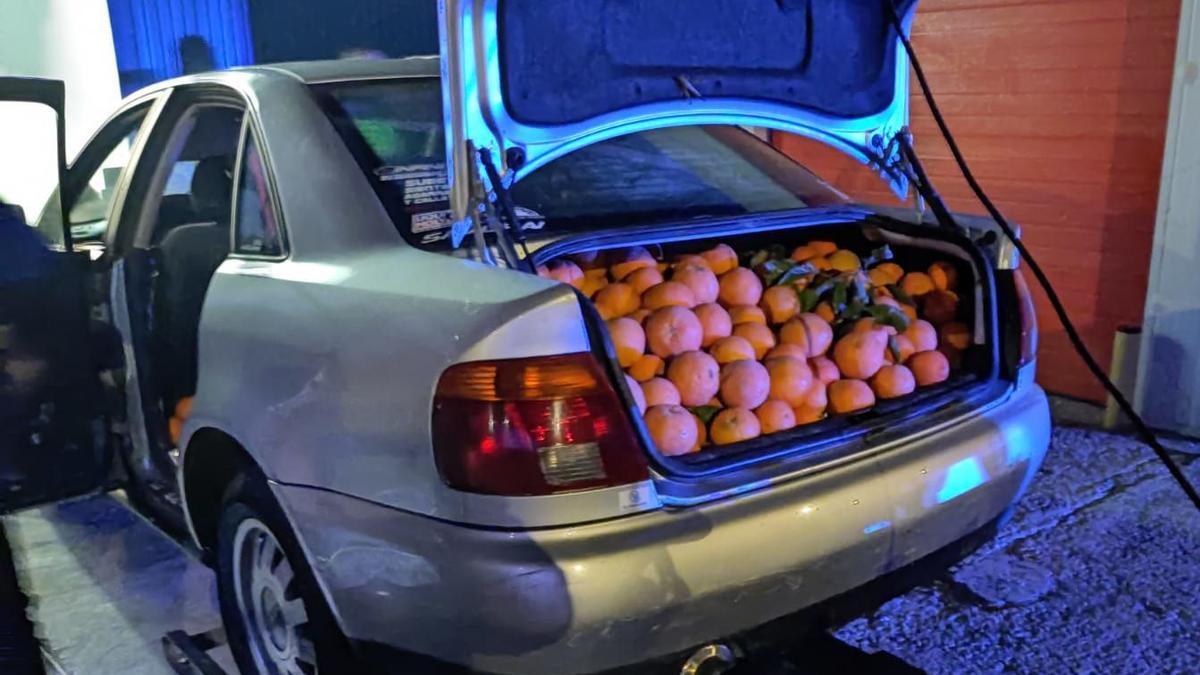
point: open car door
(53, 434)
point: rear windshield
(394, 129)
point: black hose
(1144, 431)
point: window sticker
(422, 183)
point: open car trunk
(717, 469)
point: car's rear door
(55, 434)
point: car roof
(355, 68)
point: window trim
(250, 128)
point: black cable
(1139, 425)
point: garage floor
(1098, 572)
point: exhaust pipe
(711, 659)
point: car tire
(276, 619)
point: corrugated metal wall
(1061, 108)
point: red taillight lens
(1028, 317)
(533, 426)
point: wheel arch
(212, 461)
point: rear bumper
(591, 597)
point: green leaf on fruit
(795, 272)
(706, 413)
(900, 295)
(889, 316)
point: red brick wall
(1060, 106)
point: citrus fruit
(616, 300)
(701, 280)
(747, 314)
(804, 253)
(955, 334)
(916, 284)
(673, 330)
(823, 247)
(672, 428)
(715, 321)
(646, 367)
(938, 307)
(786, 349)
(628, 338)
(175, 429)
(744, 384)
(929, 367)
(593, 281)
(893, 381)
(889, 270)
(626, 261)
(564, 271)
(668, 294)
(701, 434)
(809, 332)
(791, 379)
(689, 260)
(697, 377)
(639, 396)
(740, 286)
(183, 408)
(731, 348)
(849, 396)
(824, 369)
(721, 258)
(903, 345)
(733, 425)
(775, 416)
(868, 324)
(589, 260)
(859, 355)
(821, 263)
(943, 275)
(644, 278)
(639, 315)
(845, 261)
(779, 303)
(922, 334)
(757, 335)
(660, 391)
(825, 311)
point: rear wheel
(274, 614)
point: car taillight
(534, 426)
(1028, 320)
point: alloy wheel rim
(272, 612)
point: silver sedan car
(304, 329)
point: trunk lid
(533, 81)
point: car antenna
(1143, 430)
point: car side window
(256, 227)
(88, 215)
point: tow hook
(711, 659)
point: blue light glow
(875, 527)
(962, 477)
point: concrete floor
(1099, 571)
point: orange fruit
(668, 294)
(566, 272)
(593, 283)
(701, 434)
(646, 367)
(938, 307)
(943, 275)
(616, 300)
(628, 338)
(823, 247)
(893, 382)
(731, 348)
(791, 378)
(775, 416)
(780, 303)
(715, 321)
(639, 315)
(183, 408)
(697, 377)
(903, 345)
(804, 253)
(916, 284)
(929, 367)
(824, 369)
(809, 332)
(747, 314)
(662, 267)
(890, 271)
(639, 396)
(644, 278)
(821, 263)
(589, 260)
(825, 311)
(721, 258)
(757, 335)
(740, 286)
(689, 260)
(922, 334)
(845, 261)
(859, 355)
(673, 330)
(175, 429)
(879, 278)
(955, 334)
(849, 396)
(660, 391)
(814, 404)
(867, 323)
(909, 311)
(744, 384)
(786, 349)
(624, 262)
(886, 300)
(733, 425)
(701, 280)
(672, 429)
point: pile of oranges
(717, 351)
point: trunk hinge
(898, 158)
(490, 208)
